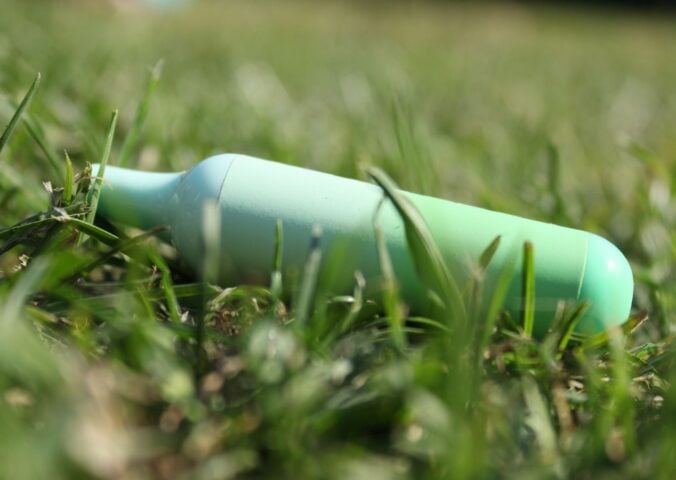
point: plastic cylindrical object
(252, 194)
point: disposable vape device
(252, 194)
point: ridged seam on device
(233, 157)
(584, 268)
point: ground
(116, 361)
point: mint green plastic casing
(252, 194)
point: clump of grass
(117, 363)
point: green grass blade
(132, 138)
(39, 315)
(600, 339)
(70, 179)
(539, 420)
(279, 245)
(91, 230)
(488, 253)
(95, 187)
(27, 283)
(167, 287)
(621, 412)
(569, 326)
(429, 262)
(428, 322)
(276, 276)
(475, 285)
(32, 223)
(7, 134)
(528, 290)
(390, 288)
(357, 303)
(211, 271)
(308, 283)
(482, 327)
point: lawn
(118, 361)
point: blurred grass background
(560, 114)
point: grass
(118, 362)
(19, 111)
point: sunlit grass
(116, 361)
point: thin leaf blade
(7, 134)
